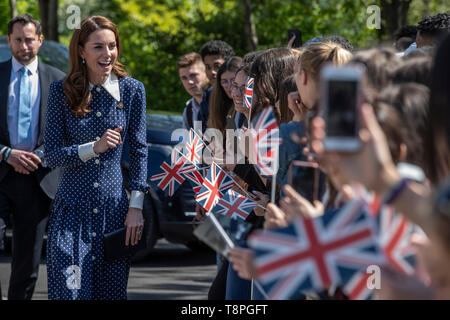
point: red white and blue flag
(193, 147)
(234, 205)
(394, 235)
(196, 178)
(215, 185)
(248, 94)
(317, 253)
(265, 142)
(170, 176)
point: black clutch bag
(115, 248)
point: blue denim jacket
(289, 150)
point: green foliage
(421, 8)
(23, 6)
(154, 33)
(313, 18)
(4, 16)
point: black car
(165, 217)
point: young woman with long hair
(90, 114)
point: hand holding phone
(297, 42)
(303, 177)
(340, 101)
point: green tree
(22, 6)
(154, 33)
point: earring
(84, 61)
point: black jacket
(47, 75)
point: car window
(51, 52)
(166, 122)
(5, 53)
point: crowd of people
(80, 120)
(404, 154)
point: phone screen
(342, 104)
(298, 37)
(304, 178)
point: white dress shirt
(86, 151)
(13, 104)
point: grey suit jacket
(46, 178)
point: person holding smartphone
(90, 114)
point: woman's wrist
(297, 117)
(137, 199)
(86, 151)
(388, 179)
(95, 148)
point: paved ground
(170, 272)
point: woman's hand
(296, 106)
(274, 218)
(242, 260)
(399, 286)
(245, 140)
(295, 205)
(291, 42)
(135, 225)
(200, 212)
(261, 199)
(109, 140)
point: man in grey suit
(24, 85)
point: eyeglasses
(226, 82)
(241, 89)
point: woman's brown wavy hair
(269, 69)
(220, 105)
(76, 84)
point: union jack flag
(395, 233)
(215, 185)
(170, 176)
(394, 236)
(196, 178)
(234, 205)
(193, 147)
(316, 253)
(248, 94)
(266, 140)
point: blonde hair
(298, 52)
(317, 53)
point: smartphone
(303, 177)
(230, 124)
(211, 232)
(298, 37)
(340, 101)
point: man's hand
(22, 161)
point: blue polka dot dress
(91, 200)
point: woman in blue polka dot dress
(90, 113)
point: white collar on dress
(32, 67)
(111, 85)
